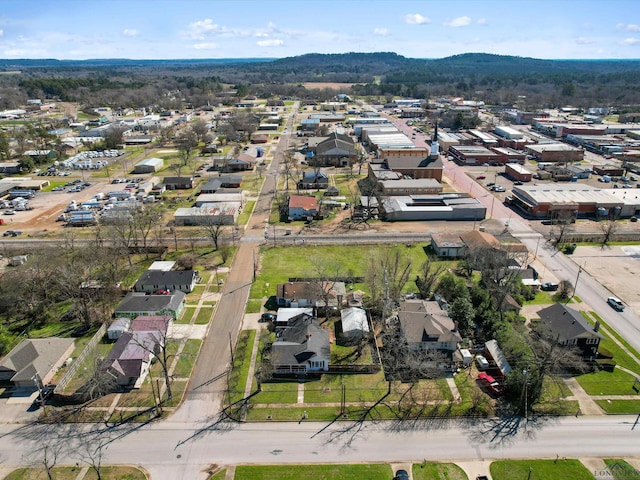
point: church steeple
(434, 143)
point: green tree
(452, 287)
(26, 164)
(4, 146)
(461, 311)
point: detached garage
(149, 165)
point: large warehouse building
(550, 200)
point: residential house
(130, 358)
(311, 294)
(219, 213)
(152, 323)
(242, 162)
(118, 327)
(159, 281)
(447, 245)
(313, 179)
(177, 183)
(355, 324)
(224, 181)
(302, 207)
(287, 316)
(570, 328)
(302, 348)
(33, 358)
(427, 327)
(135, 304)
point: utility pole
(231, 349)
(38, 382)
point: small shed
(354, 322)
(118, 327)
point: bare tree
(213, 228)
(186, 142)
(288, 166)
(387, 274)
(565, 288)
(430, 270)
(608, 228)
(145, 218)
(92, 452)
(200, 129)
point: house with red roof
(302, 207)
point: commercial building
(508, 133)
(149, 165)
(555, 152)
(518, 172)
(446, 206)
(473, 155)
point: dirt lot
(48, 205)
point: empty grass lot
(315, 472)
(438, 471)
(187, 315)
(540, 470)
(71, 473)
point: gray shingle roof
(567, 323)
(302, 340)
(35, 355)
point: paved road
(203, 396)
(176, 450)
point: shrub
(606, 365)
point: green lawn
(280, 392)
(540, 470)
(195, 295)
(243, 218)
(187, 358)
(438, 471)
(241, 363)
(619, 355)
(253, 306)
(204, 315)
(315, 472)
(221, 475)
(187, 315)
(608, 383)
(359, 388)
(621, 470)
(71, 473)
(278, 264)
(619, 406)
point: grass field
(540, 470)
(315, 472)
(438, 471)
(608, 383)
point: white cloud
(584, 41)
(383, 32)
(458, 22)
(416, 19)
(130, 32)
(1, 33)
(482, 21)
(205, 28)
(629, 27)
(205, 46)
(276, 42)
(630, 41)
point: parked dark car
(44, 396)
(268, 317)
(401, 475)
(549, 287)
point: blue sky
(161, 29)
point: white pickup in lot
(616, 303)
